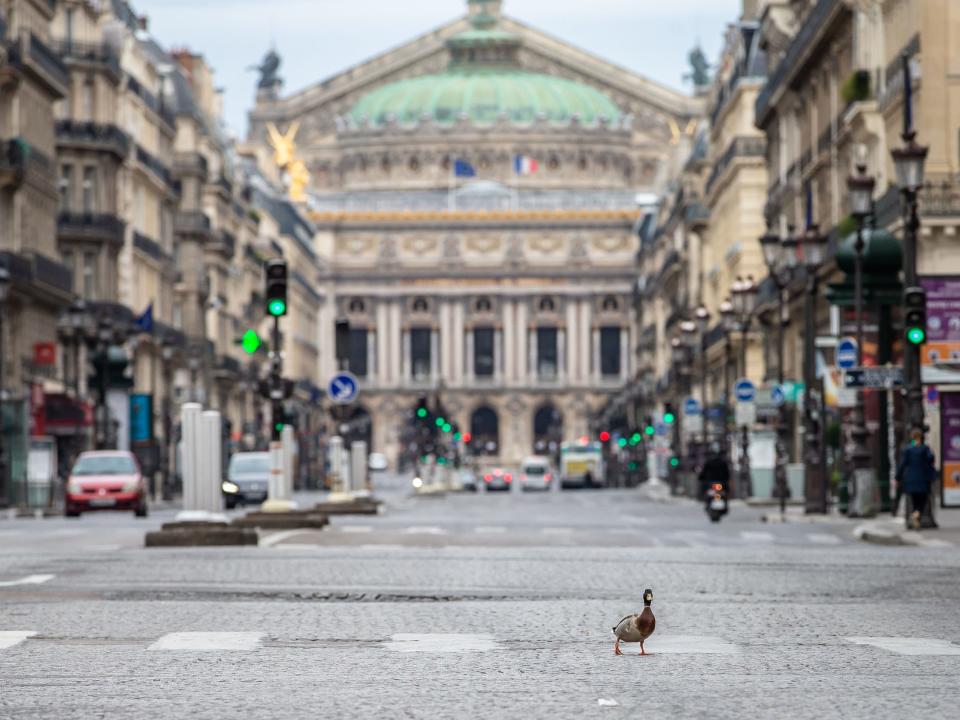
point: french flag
(524, 165)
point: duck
(637, 627)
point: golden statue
(285, 156)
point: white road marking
(823, 538)
(107, 547)
(29, 580)
(296, 546)
(909, 645)
(557, 531)
(756, 536)
(11, 533)
(9, 638)
(604, 702)
(423, 530)
(355, 528)
(277, 538)
(208, 641)
(690, 645)
(441, 643)
(490, 530)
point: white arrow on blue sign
(691, 406)
(777, 396)
(848, 353)
(745, 391)
(343, 388)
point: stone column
(571, 336)
(406, 370)
(468, 340)
(384, 371)
(624, 354)
(497, 355)
(532, 354)
(434, 354)
(595, 351)
(562, 355)
(397, 345)
(458, 340)
(521, 365)
(509, 338)
(584, 334)
(372, 360)
(445, 360)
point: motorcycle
(716, 502)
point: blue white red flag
(525, 165)
(461, 168)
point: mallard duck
(637, 627)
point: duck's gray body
(637, 627)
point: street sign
(693, 424)
(691, 406)
(777, 396)
(343, 388)
(848, 353)
(745, 391)
(873, 377)
(746, 414)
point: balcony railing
(90, 226)
(791, 59)
(47, 61)
(106, 136)
(739, 147)
(17, 157)
(97, 53)
(191, 222)
(151, 101)
(190, 163)
(150, 247)
(156, 166)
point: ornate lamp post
(744, 293)
(860, 189)
(814, 245)
(104, 337)
(909, 162)
(728, 321)
(702, 318)
(781, 259)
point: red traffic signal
(604, 436)
(467, 437)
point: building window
(89, 189)
(66, 187)
(484, 305)
(547, 305)
(547, 353)
(89, 280)
(70, 264)
(356, 306)
(483, 362)
(420, 305)
(87, 111)
(610, 351)
(420, 356)
(358, 351)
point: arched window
(547, 430)
(356, 306)
(485, 429)
(420, 305)
(483, 305)
(547, 305)
(610, 304)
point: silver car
(248, 479)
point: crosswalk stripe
(356, 529)
(29, 580)
(909, 645)
(10, 638)
(756, 536)
(441, 642)
(557, 531)
(691, 645)
(209, 641)
(489, 530)
(823, 538)
(418, 530)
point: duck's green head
(647, 596)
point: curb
(905, 538)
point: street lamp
(744, 292)
(814, 247)
(104, 336)
(909, 164)
(728, 322)
(860, 190)
(702, 319)
(4, 293)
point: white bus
(581, 465)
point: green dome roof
(483, 94)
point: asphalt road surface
(478, 606)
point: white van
(536, 473)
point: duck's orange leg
(616, 648)
(642, 651)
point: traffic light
(674, 462)
(422, 413)
(915, 315)
(648, 428)
(622, 442)
(467, 437)
(669, 416)
(604, 436)
(276, 281)
(251, 342)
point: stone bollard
(210, 471)
(358, 467)
(289, 443)
(189, 454)
(335, 453)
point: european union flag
(144, 323)
(461, 168)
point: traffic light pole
(911, 355)
(276, 383)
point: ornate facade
(476, 195)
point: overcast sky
(317, 38)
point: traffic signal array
(915, 315)
(275, 272)
(669, 415)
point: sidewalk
(887, 530)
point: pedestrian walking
(915, 476)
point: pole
(276, 377)
(781, 469)
(746, 480)
(814, 480)
(102, 397)
(863, 475)
(914, 386)
(3, 425)
(727, 352)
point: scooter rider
(715, 471)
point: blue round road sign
(848, 353)
(691, 406)
(343, 388)
(745, 391)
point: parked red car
(106, 480)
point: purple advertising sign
(950, 449)
(943, 319)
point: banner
(950, 449)
(943, 319)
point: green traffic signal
(447, 427)
(457, 437)
(277, 308)
(251, 342)
(422, 413)
(669, 418)
(622, 442)
(916, 336)
(674, 462)
(650, 430)
(441, 461)
(440, 422)
(635, 438)
(278, 427)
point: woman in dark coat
(915, 474)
